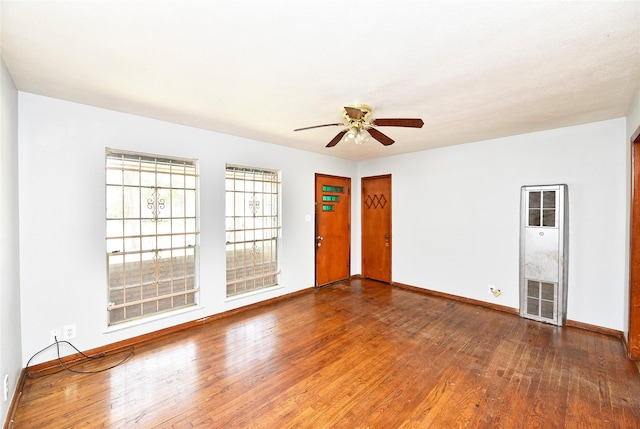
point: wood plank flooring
(357, 354)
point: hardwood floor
(358, 354)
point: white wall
(62, 210)
(10, 335)
(456, 215)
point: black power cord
(67, 368)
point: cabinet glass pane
(534, 217)
(549, 199)
(548, 290)
(549, 217)
(546, 309)
(534, 199)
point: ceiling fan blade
(319, 126)
(398, 122)
(337, 138)
(385, 140)
(354, 113)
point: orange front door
(333, 228)
(376, 228)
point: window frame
(247, 268)
(156, 244)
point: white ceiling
(472, 70)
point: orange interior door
(376, 228)
(333, 228)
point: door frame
(633, 336)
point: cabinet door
(542, 253)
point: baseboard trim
(511, 310)
(13, 407)
(626, 349)
(44, 367)
(452, 297)
(597, 329)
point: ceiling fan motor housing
(357, 113)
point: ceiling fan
(358, 124)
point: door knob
(320, 238)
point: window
(152, 233)
(252, 227)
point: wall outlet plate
(69, 332)
(5, 387)
(53, 335)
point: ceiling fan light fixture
(362, 137)
(352, 134)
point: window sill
(252, 293)
(150, 319)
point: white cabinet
(544, 253)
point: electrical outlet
(54, 335)
(494, 291)
(6, 387)
(69, 332)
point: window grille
(151, 235)
(252, 228)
